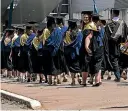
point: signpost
(10, 14)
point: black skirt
(15, 57)
(72, 63)
(50, 63)
(62, 62)
(36, 60)
(6, 63)
(123, 61)
(91, 64)
(23, 63)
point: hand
(88, 51)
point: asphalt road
(11, 105)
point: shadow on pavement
(116, 107)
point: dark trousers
(115, 63)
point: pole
(10, 14)
(59, 8)
(70, 9)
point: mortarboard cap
(32, 22)
(87, 12)
(40, 27)
(72, 23)
(21, 28)
(29, 26)
(50, 20)
(115, 11)
(96, 17)
(103, 21)
(14, 27)
(10, 31)
(59, 19)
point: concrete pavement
(110, 95)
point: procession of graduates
(53, 50)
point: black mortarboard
(59, 19)
(10, 31)
(72, 23)
(40, 27)
(50, 21)
(87, 12)
(103, 21)
(32, 22)
(50, 18)
(29, 26)
(14, 27)
(21, 28)
(116, 11)
(96, 17)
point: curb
(31, 103)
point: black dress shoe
(28, 80)
(96, 85)
(117, 80)
(90, 82)
(109, 78)
(84, 85)
(46, 81)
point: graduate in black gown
(72, 44)
(63, 66)
(87, 26)
(52, 38)
(16, 50)
(91, 52)
(6, 52)
(36, 53)
(115, 33)
(25, 64)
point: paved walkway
(110, 95)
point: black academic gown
(6, 62)
(112, 45)
(36, 57)
(91, 63)
(25, 64)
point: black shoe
(117, 80)
(28, 80)
(90, 82)
(46, 81)
(96, 85)
(84, 85)
(109, 78)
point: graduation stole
(36, 43)
(23, 39)
(15, 40)
(7, 41)
(90, 26)
(70, 38)
(124, 47)
(45, 35)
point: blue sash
(7, 48)
(40, 46)
(28, 44)
(75, 45)
(30, 38)
(100, 36)
(17, 42)
(63, 30)
(54, 40)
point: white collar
(116, 19)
